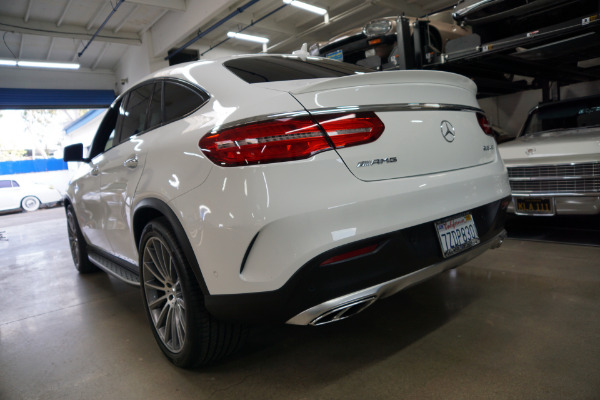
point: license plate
(534, 206)
(457, 234)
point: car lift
(547, 58)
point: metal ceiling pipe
(114, 10)
(244, 28)
(213, 27)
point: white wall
(138, 62)
(56, 79)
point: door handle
(131, 163)
(95, 171)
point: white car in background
(271, 188)
(554, 164)
(15, 194)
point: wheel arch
(150, 209)
(66, 202)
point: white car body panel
(118, 184)
(563, 147)
(220, 227)
(85, 192)
(253, 228)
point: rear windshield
(561, 116)
(289, 68)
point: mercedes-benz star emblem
(448, 131)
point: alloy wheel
(164, 297)
(73, 239)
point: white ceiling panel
(57, 30)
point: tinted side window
(136, 111)
(4, 184)
(274, 68)
(106, 132)
(155, 110)
(181, 100)
(15, 184)
(580, 113)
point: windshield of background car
(274, 69)
(578, 114)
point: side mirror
(74, 152)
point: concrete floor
(520, 322)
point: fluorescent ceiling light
(250, 38)
(38, 64)
(307, 7)
(43, 64)
(10, 63)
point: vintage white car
(554, 164)
(15, 194)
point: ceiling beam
(176, 28)
(76, 55)
(410, 10)
(21, 46)
(64, 12)
(104, 48)
(26, 18)
(322, 25)
(43, 28)
(155, 20)
(50, 48)
(178, 5)
(268, 24)
(97, 14)
(129, 14)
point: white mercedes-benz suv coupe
(272, 188)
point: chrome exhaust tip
(344, 311)
(500, 240)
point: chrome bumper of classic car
(558, 204)
(546, 190)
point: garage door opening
(31, 150)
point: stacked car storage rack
(561, 54)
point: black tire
(78, 244)
(30, 203)
(173, 299)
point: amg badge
(377, 161)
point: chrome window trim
(554, 194)
(553, 178)
(567, 164)
(343, 109)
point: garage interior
(521, 321)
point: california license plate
(457, 234)
(534, 206)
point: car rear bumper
(403, 258)
(563, 205)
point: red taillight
(351, 254)
(289, 139)
(347, 130)
(484, 124)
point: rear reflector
(289, 139)
(484, 124)
(351, 254)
